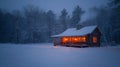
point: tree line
(34, 25)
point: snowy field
(46, 55)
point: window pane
(94, 39)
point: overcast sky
(55, 5)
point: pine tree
(115, 19)
(76, 16)
(63, 19)
(50, 22)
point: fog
(55, 5)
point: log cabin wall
(96, 33)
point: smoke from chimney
(90, 14)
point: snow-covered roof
(74, 32)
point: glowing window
(83, 39)
(75, 39)
(65, 39)
(94, 39)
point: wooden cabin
(85, 36)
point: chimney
(79, 26)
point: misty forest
(34, 25)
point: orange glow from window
(65, 39)
(94, 39)
(73, 39)
(83, 39)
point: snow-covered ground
(46, 55)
